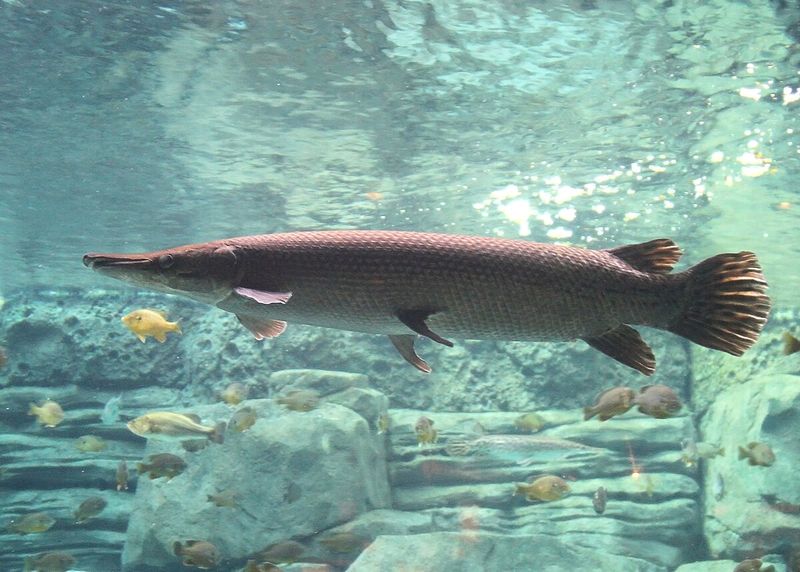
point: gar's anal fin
(625, 345)
(405, 345)
(415, 320)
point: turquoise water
(134, 126)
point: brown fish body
(436, 285)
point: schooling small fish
(146, 323)
(234, 394)
(547, 488)
(31, 523)
(49, 413)
(529, 422)
(243, 419)
(757, 454)
(110, 414)
(423, 429)
(49, 562)
(610, 403)
(161, 465)
(599, 500)
(197, 553)
(122, 476)
(659, 401)
(89, 508)
(169, 426)
(299, 400)
(521, 449)
(90, 444)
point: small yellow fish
(757, 454)
(197, 553)
(610, 403)
(545, 489)
(234, 394)
(791, 345)
(529, 422)
(169, 426)
(426, 434)
(161, 465)
(122, 476)
(243, 419)
(48, 413)
(300, 400)
(89, 508)
(90, 444)
(31, 523)
(153, 323)
(49, 562)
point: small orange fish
(374, 196)
(144, 323)
(545, 489)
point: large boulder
(296, 473)
(472, 550)
(748, 509)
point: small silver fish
(521, 449)
(718, 487)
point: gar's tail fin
(726, 303)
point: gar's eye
(166, 260)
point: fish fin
(194, 417)
(657, 256)
(625, 345)
(726, 305)
(161, 337)
(721, 451)
(263, 297)
(415, 320)
(218, 434)
(177, 548)
(405, 345)
(141, 338)
(262, 328)
(588, 413)
(791, 345)
(175, 327)
(743, 453)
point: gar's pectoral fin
(263, 297)
(625, 345)
(405, 345)
(415, 320)
(261, 327)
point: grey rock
(470, 550)
(322, 381)
(741, 523)
(328, 456)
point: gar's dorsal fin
(657, 256)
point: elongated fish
(521, 449)
(405, 284)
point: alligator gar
(408, 284)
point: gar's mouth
(100, 261)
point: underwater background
(132, 126)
